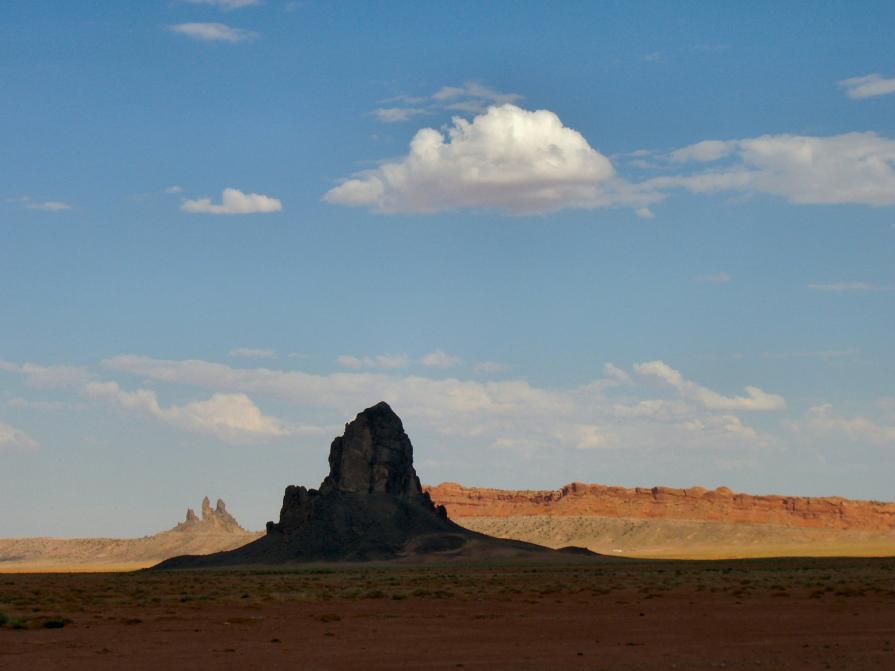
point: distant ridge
(692, 523)
(216, 530)
(693, 503)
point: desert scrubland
(606, 614)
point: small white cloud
(382, 361)
(234, 201)
(253, 353)
(868, 86)
(644, 213)
(703, 152)
(226, 5)
(213, 32)
(440, 359)
(49, 206)
(716, 278)
(653, 57)
(507, 158)
(11, 437)
(397, 114)
(174, 189)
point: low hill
(214, 531)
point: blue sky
(624, 243)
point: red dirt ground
(767, 614)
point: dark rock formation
(370, 507)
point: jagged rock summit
(371, 506)
(213, 521)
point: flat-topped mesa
(373, 456)
(693, 503)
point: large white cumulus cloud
(507, 158)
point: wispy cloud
(842, 287)
(856, 168)
(253, 353)
(382, 361)
(174, 189)
(868, 86)
(11, 437)
(440, 359)
(225, 5)
(214, 32)
(644, 213)
(486, 367)
(230, 417)
(45, 205)
(47, 377)
(716, 278)
(755, 399)
(677, 412)
(814, 354)
(234, 201)
(471, 98)
(824, 420)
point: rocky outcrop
(215, 531)
(694, 503)
(370, 507)
(213, 521)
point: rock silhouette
(371, 506)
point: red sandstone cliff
(694, 503)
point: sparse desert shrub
(56, 623)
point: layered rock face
(695, 503)
(370, 506)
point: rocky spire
(373, 456)
(206, 508)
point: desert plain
(798, 613)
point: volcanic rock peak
(373, 456)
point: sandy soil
(767, 614)
(41, 555)
(684, 539)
